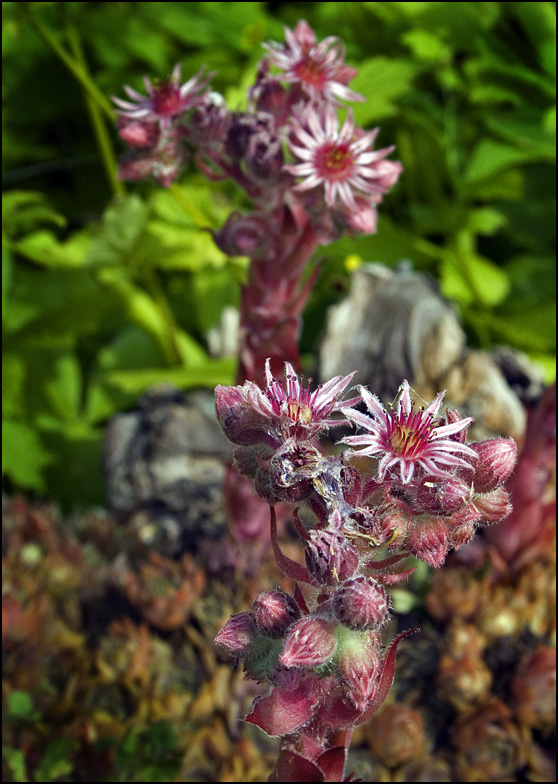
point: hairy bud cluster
(430, 493)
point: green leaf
(529, 329)
(55, 762)
(143, 310)
(427, 46)
(185, 248)
(539, 21)
(23, 211)
(473, 279)
(57, 303)
(533, 278)
(491, 95)
(485, 220)
(44, 248)
(16, 763)
(117, 239)
(7, 276)
(14, 375)
(63, 386)
(76, 476)
(47, 378)
(130, 349)
(547, 365)
(508, 185)
(525, 130)
(23, 455)
(213, 372)
(491, 157)
(382, 80)
(20, 705)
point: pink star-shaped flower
(342, 160)
(401, 436)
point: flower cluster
(293, 111)
(429, 492)
(309, 179)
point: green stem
(99, 127)
(159, 297)
(72, 64)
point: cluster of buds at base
(315, 663)
(324, 660)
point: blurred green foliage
(105, 293)
(142, 755)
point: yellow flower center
(405, 440)
(299, 412)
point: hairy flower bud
(360, 666)
(462, 534)
(209, 122)
(274, 612)
(269, 95)
(309, 643)
(468, 515)
(361, 603)
(264, 158)
(163, 161)
(363, 218)
(243, 235)
(237, 634)
(138, 134)
(430, 541)
(330, 558)
(494, 506)
(497, 458)
(242, 126)
(439, 497)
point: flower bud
(309, 643)
(164, 161)
(494, 506)
(274, 612)
(237, 634)
(388, 173)
(138, 134)
(430, 541)
(243, 236)
(209, 122)
(360, 666)
(242, 126)
(390, 525)
(468, 515)
(497, 458)
(264, 158)
(363, 218)
(361, 604)
(242, 423)
(462, 534)
(270, 96)
(439, 497)
(330, 558)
